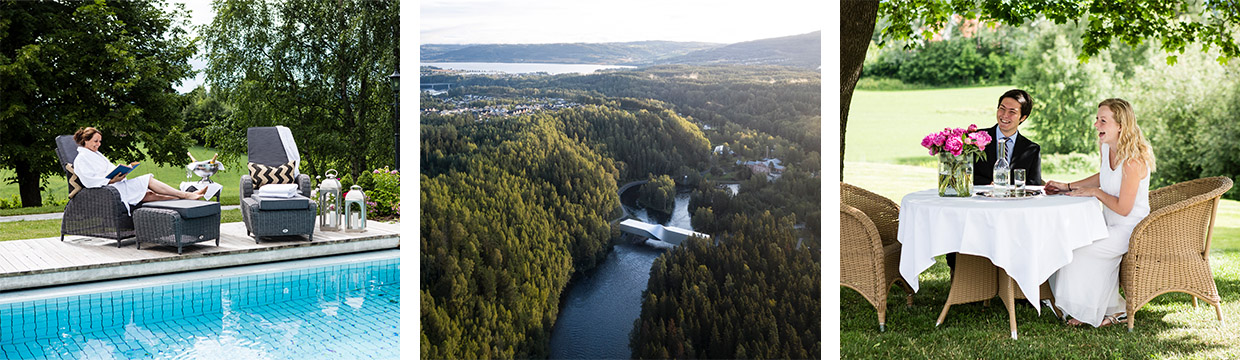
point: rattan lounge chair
(274, 217)
(95, 212)
(869, 251)
(1170, 249)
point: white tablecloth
(1029, 238)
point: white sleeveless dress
(1088, 287)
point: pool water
(336, 311)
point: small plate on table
(1019, 195)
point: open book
(121, 169)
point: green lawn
(172, 175)
(17, 230)
(883, 139)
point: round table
(1029, 238)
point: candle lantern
(355, 220)
(329, 202)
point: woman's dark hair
(84, 134)
(1022, 97)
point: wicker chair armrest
(105, 198)
(883, 212)
(303, 184)
(1165, 230)
(855, 224)
(247, 186)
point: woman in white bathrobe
(91, 168)
(1087, 289)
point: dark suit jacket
(1025, 155)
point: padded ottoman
(177, 222)
(271, 217)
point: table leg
(1010, 292)
(973, 280)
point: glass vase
(955, 175)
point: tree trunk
(855, 31)
(28, 184)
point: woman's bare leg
(163, 189)
(153, 196)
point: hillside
(798, 51)
(803, 51)
(628, 53)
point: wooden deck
(48, 262)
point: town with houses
(468, 104)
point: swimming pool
(342, 307)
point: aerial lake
(523, 68)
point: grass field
(883, 139)
(171, 175)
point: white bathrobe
(91, 167)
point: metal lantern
(329, 202)
(355, 220)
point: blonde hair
(1132, 144)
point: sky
(591, 21)
(200, 14)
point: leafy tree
(1068, 92)
(201, 111)
(1175, 24)
(658, 194)
(318, 67)
(68, 64)
(751, 293)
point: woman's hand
(118, 178)
(1055, 187)
(1086, 192)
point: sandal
(1116, 318)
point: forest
(514, 208)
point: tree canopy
(1173, 24)
(65, 65)
(318, 67)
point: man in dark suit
(1014, 107)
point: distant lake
(524, 68)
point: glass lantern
(355, 220)
(329, 202)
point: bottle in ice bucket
(1002, 172)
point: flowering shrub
(384, 197)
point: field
(884, 155)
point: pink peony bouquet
(957, 141)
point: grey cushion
(189, 209)
(270, 203)
(264, 146)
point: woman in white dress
(1087, 289)
(91, 168)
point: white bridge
(667, 234)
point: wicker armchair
(95, 212)
(1169, 250)
(265, 147)
(869, 251)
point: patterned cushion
(263, 174)
(75, 184)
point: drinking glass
(1018, 179)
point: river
(599, 309)
(523, 68)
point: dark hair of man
(84, 134)
(1022, 97)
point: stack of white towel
(277, 191)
